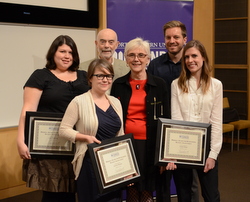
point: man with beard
(106, 43)
(168, 67)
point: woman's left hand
(210, 163)
(171, 166)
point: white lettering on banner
(162, 45)
(154, 54)
(153, 45)
(119, 55)
(157, 45)
(122, 45)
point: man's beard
(175, 52)
(107, 57)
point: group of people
(110, 97)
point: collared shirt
(120, 67)
(209, 109)
(165, 68)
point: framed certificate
(114, 162)
(182, 142)
(41, 136)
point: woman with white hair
(144, 99)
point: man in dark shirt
(168, 67)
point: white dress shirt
(198, 107)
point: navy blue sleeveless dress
(109, 124)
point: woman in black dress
(50, 90)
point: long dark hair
(59, 41)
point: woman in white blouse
(197, 97)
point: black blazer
(157, 104)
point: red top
(136, 117)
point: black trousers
(163, 183)
(58, 197)
(209, 184)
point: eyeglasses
(139, 55)
(101, 76)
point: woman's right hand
(31, 100)
(92, 139)
(87, 138)
(23, 151)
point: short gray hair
(137, 43)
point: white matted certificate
(182, 142)
(46, 136)
(115, 163)
(42, 138)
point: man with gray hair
(106, 43)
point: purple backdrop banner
(145, 18)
